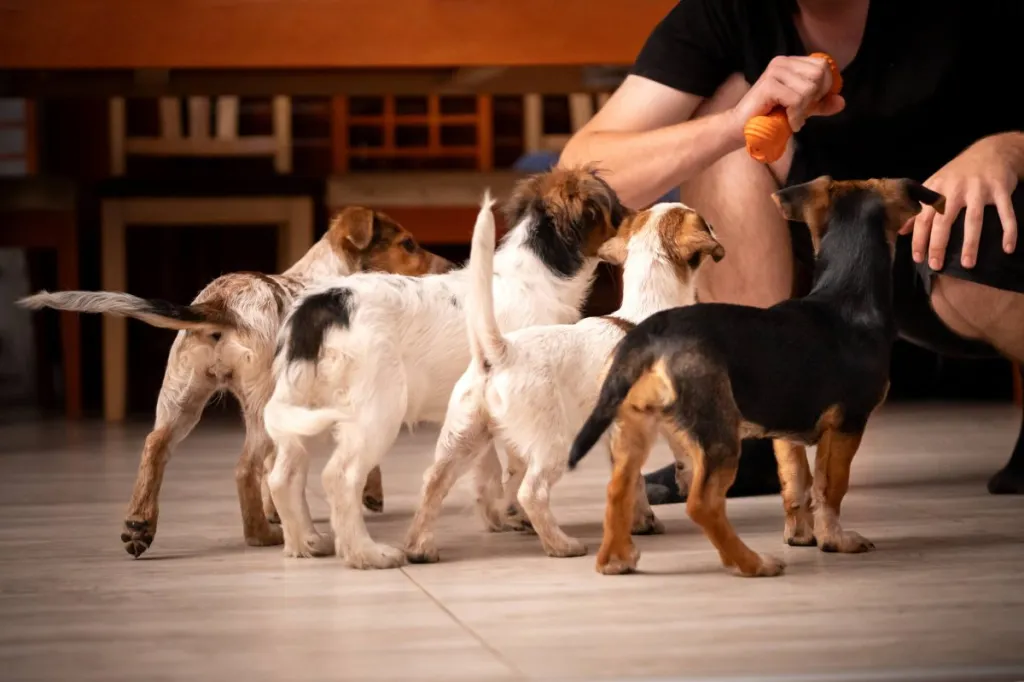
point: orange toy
(767, 135)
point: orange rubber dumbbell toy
(767, 135)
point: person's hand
(794, 83)
(983, 174)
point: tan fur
(237, 358)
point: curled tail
(200, 316)
(485, 340)
(282, 419)
(629, 364)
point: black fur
(559, 245)
(310, 321)
(786, 365)
(175, 311)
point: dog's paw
(799, 537)
(310, 547)
(271, 537)
(648, 525)
(137, 535)
(570, 548)
(767, 566)
(618, 564)
(846, 542)
(422, 554)
(375, 556)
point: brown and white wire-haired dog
(226, 342)
(803, 372)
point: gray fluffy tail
(200, 317)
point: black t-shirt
(930, 77)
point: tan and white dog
(530, 390)
(363, 356)
(226, 342)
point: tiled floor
(941, 598)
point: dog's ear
(613, 251)
(355, 223)
(693, 239)
(809, 203)
(706, 239)
(918, 193)
(903, 199)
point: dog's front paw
(618, 563)
(310, 547)
(271, 537)
(766, 566)
(846, 542)
(649, 524)
(137, 535)
(422, 551)
(373, 556)
(569, 548)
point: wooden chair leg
(295, 237)
(70, 325)
(115, 329)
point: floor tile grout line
(519, 674)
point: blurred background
(211, 137)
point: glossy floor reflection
(941, 598)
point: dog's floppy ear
(904, 197)
(809, 203)
(356, 224)
(918, 193)
(706, 239)
(613, 251)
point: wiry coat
(226, 342)
(364, 357)
(531, 389)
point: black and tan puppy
(803, 372)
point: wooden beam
(114, 34)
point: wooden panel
(438, 224)
(388, 190)
(103, 34)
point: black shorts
(912, 282)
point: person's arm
(643, 139)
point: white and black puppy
(370, 353)
(532, 389)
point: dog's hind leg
(359, 448)
(250, 476)
(795, 476)
(631, 437)
(542, 474)
(287, 483)
(464, 438)
(831, 480)
(183, 396)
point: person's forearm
(641, 167)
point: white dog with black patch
(366, 355)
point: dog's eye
(694, 261)
(409, 244)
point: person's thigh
(734, 196)
(985, 302)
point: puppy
(365, 355)
(226, 342)
(804, 372)
(532, 389)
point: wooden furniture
(411, 128)
(275, 34)
(39, 213)
(207, 129)
(536, 138)
(439, 208)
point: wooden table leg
(115, 329)
(70, 323)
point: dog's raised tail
(159, 313)
(485, 339)
(629, 364)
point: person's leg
(734, 196)
(970, 313)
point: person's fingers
(973, 216)
(831, 105)
(939, 238)
(1008, 218)
(908, 226)
(922, 231)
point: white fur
(396, 363)
(541, 384)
